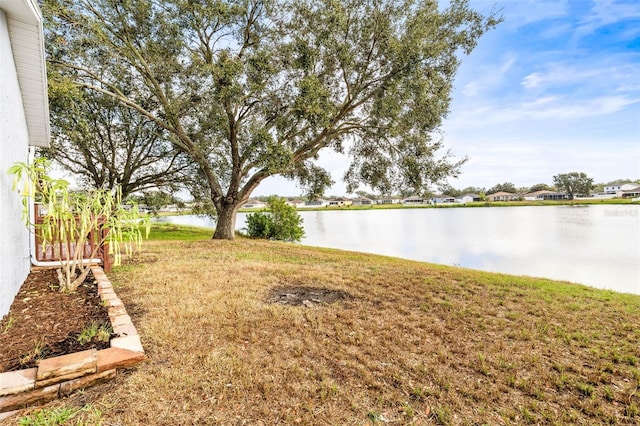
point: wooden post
(106, 259)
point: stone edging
(60, 376)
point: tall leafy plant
(71, 218)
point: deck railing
(57, 249)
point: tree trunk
(226, 221)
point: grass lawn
(413, 343)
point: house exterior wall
(469, 198)
(612, 189)
(14, 139)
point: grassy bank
(406, 342)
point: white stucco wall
(14, 137)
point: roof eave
(24, 21)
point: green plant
(585, 389)
(608, 393)
(39, 352)
(87, 415)
(408, 410)
(279, 222)
(442, 415)
(373, 416)
(562, 381)
(72, 217)
(47, 417)
(328, 390)
(8, 324)
(101, 331)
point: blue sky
(555, 88)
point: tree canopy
(539, 187)
(502, 187)
(574, 184)
(258, 88)
(107, 144)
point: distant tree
(447, 189)
(618, 182)
(251, 89)
(503, 187)
(155, 201)
(365, 194)
(473, 190)
(540, 187)
(574, 184)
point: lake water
(593, 245)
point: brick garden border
(60, 376)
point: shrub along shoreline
(414, 343)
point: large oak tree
(250, 89)
(574, 184)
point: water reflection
(593, 245)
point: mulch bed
(44, 322)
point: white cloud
(550, 109)
(523, 12)
(488, 77)
(605, 12)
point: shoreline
(477, 204)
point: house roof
(471, 195)
(540, 192)
(24, 22)
(501, 193)
(629, 187)
(632, 189)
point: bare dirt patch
(44, 322)
(306, 296)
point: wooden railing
(58, 249)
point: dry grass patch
(407, 342)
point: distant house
(537, 195)
(254, 204)
(363, 201)
(340, 202)
(297, 203)
(389, 200)
(415, 200)
(469, 198)
(555, 196)
(503, 196)
(24, 122)
(613, 188)
(629, 191)
(316, 203)
(439, 199)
